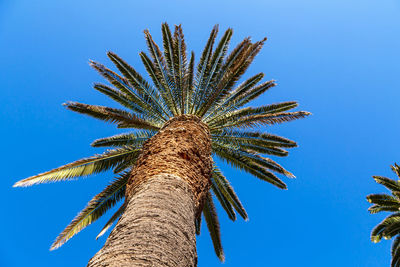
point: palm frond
(233, 116)
(122, 118)
(387, 182)
(180, 58)
(155, 76)
(135, 139)
(226, 205)
(378, 208)
(159, 66)
(150, 98)
(111, 221)
(241, 138)
(197, 224)
(241, 160)
(259, 120)
(383, 200)
(115, 95)
(121, 83)
(203, 69)
(94, 209)
(210, 92)
(188, 90)
(379, 231)
(225, 102)
(212, 222)
(83, 167)
(220, 182)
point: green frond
(188, 90)
(388, 183)
(135, 139)
(226, 205)
(235, 68)
(83, 167)
(226, 102)
(219, 180)
(383, 200)
(378, 208)
(210, 92)
(210, 215)
(115, 95)
(259, 120)
(226, 78)
(155, 76)
(197, 224)
(392, 229)
(236, 115)
(111, 221)
(243, 161)
(122, 118)
(94, 209)
(121, 83)
(180, 58)
(378, 232)
(264, 150)
(236, 64)
(203, 69)
(240, 138)
(159, 66)
(150, 98)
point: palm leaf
(212, 222)
(388, 183)
(155, 76)
(240, 138)
(197, 223)
(383, 199)
(94, 209)
(149, 96)
(249, 111)
(210, 92)
(259, 120)
(224, 103)
(203, 69)
(83, 167)
(378, 232)
(115, 95)
(378, 208)
(226, 205)
(123, 118)
(121, 83)
(227, 191)
(241, 160)
(135, 139)
(111, 221)
(159, 66)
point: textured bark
(164, 195)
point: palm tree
(164, 169)
(390, 226)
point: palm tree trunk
(164, 196)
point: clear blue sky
(338, 58)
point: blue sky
(338, 58)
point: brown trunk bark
(164, 196)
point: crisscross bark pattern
(182, 147)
